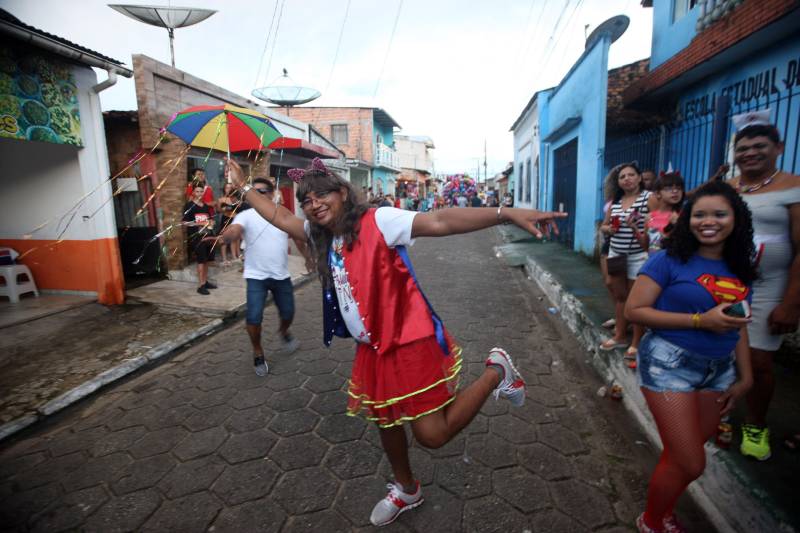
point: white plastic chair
(15, 287)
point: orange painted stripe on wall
(93, 266)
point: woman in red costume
(406, 365)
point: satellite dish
(165, 17)
(284, 92)
(614, 27)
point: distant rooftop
(417, 138)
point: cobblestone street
(202, 443)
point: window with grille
(681, 7)
(339, 133)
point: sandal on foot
(630, 357)
(610, 323)
(611, 344)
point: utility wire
(266, 44)
(388, 49)
(274, 40)
(338, 45)
(563, 32)
(521, 54)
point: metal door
(565, 176)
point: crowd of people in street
(705, 283)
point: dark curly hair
(354, 207)
(611, 187)
(738, 251)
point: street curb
(104, 378)
(123, 369)
(719, 492)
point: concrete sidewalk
(737, 493)
(56, 349)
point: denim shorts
(666, 367)
(282, 294)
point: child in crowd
(669, 191)
(695, 361)
(406, 364)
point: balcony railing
(713, 10)
(386, 157)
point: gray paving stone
(172, 416)
(10, 466)
(318, 368)
(491, 514)
(357, 497)
(300, 451)
(51, 470)
(71, 510)
(126, 513)
(294, 422)
(341, 428)
(521, 489)
(74, 442)
(453, 448)
(247, 446)
(329, 403)
(513, 429)
(494, 407)
(552, 520)
(141, 416)
(117, 441)
(535, 413)
(544, 461)
(249, 398)
(291, 380)
(208, 418)
(143, 473)
(246, 481)
(190, 513)
(201, 443)
(306, 490)
(465, 480)
(325, 383)
(441, 512)
(585, 504)
(289, 400)
(249, 419)
(353, 459)
(100, 470)
(261, 516)
(193, 476)
(491, 450)
(317, 522)
(547, 397)
(158, 442)
(203, 400)
(22, 505)
(560, 438)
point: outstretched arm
(453, 221)
(277, 215)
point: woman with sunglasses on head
(695, 361)
(624, 223)
(406, 366)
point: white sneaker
(512, 386)
(290, 346)
(388, 509)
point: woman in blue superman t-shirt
(695, 361)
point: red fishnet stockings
(685, 420)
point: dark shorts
(282, 295)
(204, 251)
(665, 367)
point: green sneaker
(755, 442)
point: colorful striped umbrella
(224, 127)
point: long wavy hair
(612, 189)
(738, 251)
(348, 225)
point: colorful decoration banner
(38, 97)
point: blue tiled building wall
(670, 37)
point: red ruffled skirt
(409, 382)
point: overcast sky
(459, 71)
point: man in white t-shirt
(266, 269)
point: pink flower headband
(297, 174)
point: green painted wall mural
(38, 97)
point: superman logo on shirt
(723, 289)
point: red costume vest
(393, 309)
